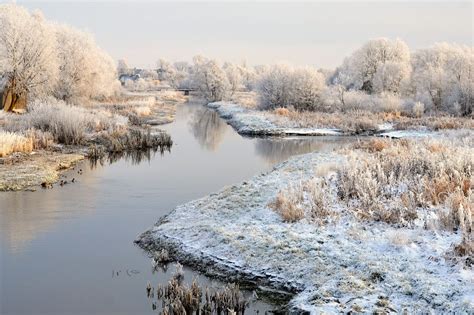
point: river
(69, 250)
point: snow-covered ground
(337, 267)
(252, 122)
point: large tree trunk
(12, 102)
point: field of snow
(336, 267)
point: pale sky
(315, 33)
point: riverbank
(52, 137)
(243, 114)
(334, 253)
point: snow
(331, 268)
(407, 134)
(251, 122)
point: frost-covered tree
(380, 65)
(443, 77)
(175, 74)
(86, 71)
(274, 86)
(209, 79)
(306, 88)
(283, 86)
(27, 51)
(248, 76)
(392, 77)
(234, 77)
(122, 67)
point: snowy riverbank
(248, 121)
(336, 267)
(252, 122)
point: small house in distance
(10, 101)
(123, 78)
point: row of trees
(436, 78)
(38, 58)
(441, 77)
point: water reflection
(135, 157)
(23, 219)
(275, 150)
(208, 128)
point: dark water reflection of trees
(208, 128)
(133, 156)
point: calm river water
(69, 250)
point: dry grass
(354, 122)
(67, 124)
(435, 122)
(245, 99)
(281, 111)
(395, 182)
(287, 204)
(172, 96)
(177, 297)
(142, 111)
(363, 114)
(13, 142)
(391, 180)
(309, 199)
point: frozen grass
(142, 111)
(359, 121)
(356, 121)
(245, 99)
(360, 114)
(66, 123)
(13, 142)
(171, 96)
(405, 183)
(177, 297)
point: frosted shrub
(142, 111)
(311, 199)
(274, 87)
(13, 142)
(355, 100)
(307, 87)
(288, 205)
(387, 102)
(66, 123)
(284, 86)
(418, 109)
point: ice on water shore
(337, 267)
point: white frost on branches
(42, 58)
(27, 51)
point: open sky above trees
(317, 33)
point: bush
(13, 142)
(66, 123)
(284, 86)
(288, 204)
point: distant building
(124, 78)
